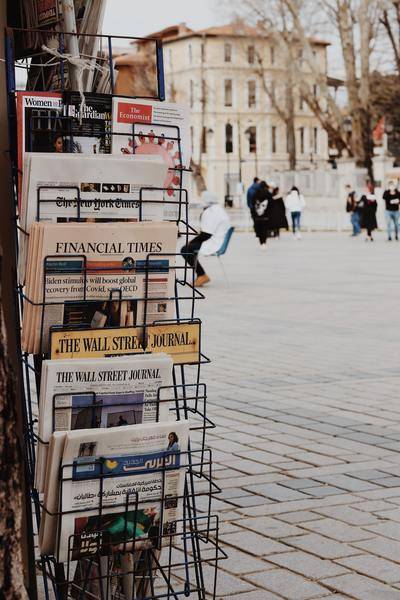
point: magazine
(121, 489)
(180, 340)
(84, 394)
(148, 127)
(90, 131)
(38, 125)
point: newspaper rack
(179, 569)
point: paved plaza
(304, 390)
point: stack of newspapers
(98, 204)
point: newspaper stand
(173, 567)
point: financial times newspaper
(94, 274)
(121, 489)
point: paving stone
(240, 563)
(348, 483)
(271, 527)
(347, 514)
(322, 491)
(322, 546)
(381, 546)
(336, 530)
(300, 516)
(373, 566)
(362, 588)
(276, 492)
(386, 528)
(300, 484)
(258, 595)
(306, 564)
(288, 585)
(255, 544)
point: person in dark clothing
(354, 210)
(262, 199)
(368, 221)
(391, 197)
(276, 213)
(251, 192)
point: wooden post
(17, 566)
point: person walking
(261, 201)
(391, 197)
(251, 193)
(295, 204)
(368, 219)
(214, 223)
(276, 212)
(354, 210)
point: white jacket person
(295, 201)
(215, 221)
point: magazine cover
(90, 130)
(180, 340)
(39, 126)
(85, 394)
(148, 127)
(79, 266)
(135, 473)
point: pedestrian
(353, 208)
(251, 192)
(295, 203)
(276, 211)
(214, 224)
(261, 201)
(391, 197)
(368, 219)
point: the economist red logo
(134, 113)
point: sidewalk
(304, 388)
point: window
(272, 55)
(203, 92)
(301, 102)
(190, 53)
(204, 140)
(252, 139)
(273, 139)
(228, 138)
(191, 89)
(203, 52)
(300, 57)
(302, 140)
(272, 88)
(228, 53)
(251, 94)
(228, 92)
(315, 90)
(315, 140)
(251, 53)
(192, 139)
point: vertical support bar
(110, 63)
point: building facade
(234, 80)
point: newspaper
(89, 130)
(147, 127)
(180, 340)
(60, 187)
(94, 274)
(122, 489)
(111, 392)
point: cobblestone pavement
(304, 392)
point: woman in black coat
(276, 213)
(368, 216)
(262, 199)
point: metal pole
(71, 41)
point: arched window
(228, 138)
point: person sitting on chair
(214, 223)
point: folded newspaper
(106, 392)
(97, 275)
(147, 127)
(62, 187)
(121, 489)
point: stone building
(223, 73)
